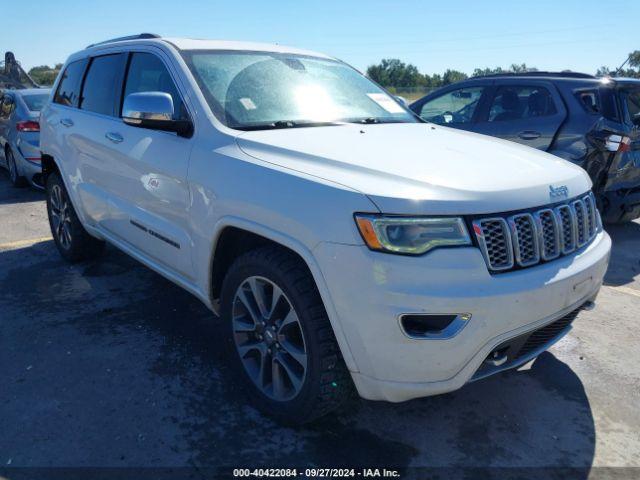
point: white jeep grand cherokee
(341, 239)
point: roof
(28, 91)
(202, 44)
(625, 81)
(571, 75)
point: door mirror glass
(153, 110)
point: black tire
(78, 245)
(16, 180)
(327, 382)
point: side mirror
(636, 119)
(154, 110)
(402, 100)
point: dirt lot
(109, 365)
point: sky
(579, 35)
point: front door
(146, 175)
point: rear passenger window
(590, 100)
(632, 102)
(68, 92)
(103, 84)
(515, 103)
(147, 73)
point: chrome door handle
(114, 137)
(67, 122)
(529, 135)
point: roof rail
(539, 74)
(139, 36)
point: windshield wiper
(280, 124)
(372, 120)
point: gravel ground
(107, 364)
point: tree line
(392, 72)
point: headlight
(411, 235)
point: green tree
(453, 76)
(45, 75)
(391, 72)
(480, 72)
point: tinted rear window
(103, 84)
(36, 101)
(632, 104)
(590, 100)
(68, 92)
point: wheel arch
(236, 236)
(49, 166)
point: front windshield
(262, 90)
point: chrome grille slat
(548, 234)
(566, 219)
(495, 241)
(527, 238)
(591, 214)
(580, 213)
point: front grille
(525, 239)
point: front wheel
(284, 348)
(72, 240)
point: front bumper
(371, 290)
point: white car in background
(342, 240)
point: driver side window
(455, 107)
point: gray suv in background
(589, 121)
(20, 134)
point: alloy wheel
(60, 218)
(268, 337)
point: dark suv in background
(589, 121)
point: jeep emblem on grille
(558, 192)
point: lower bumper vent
(518, 350)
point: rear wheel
(280, 337)
(16, 180)
(72, 240)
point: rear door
(528, 113)
(101, 91)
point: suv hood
(420, 168)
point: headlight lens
(411, 235)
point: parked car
(589, 121)
(19, 134)
(342, 240)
